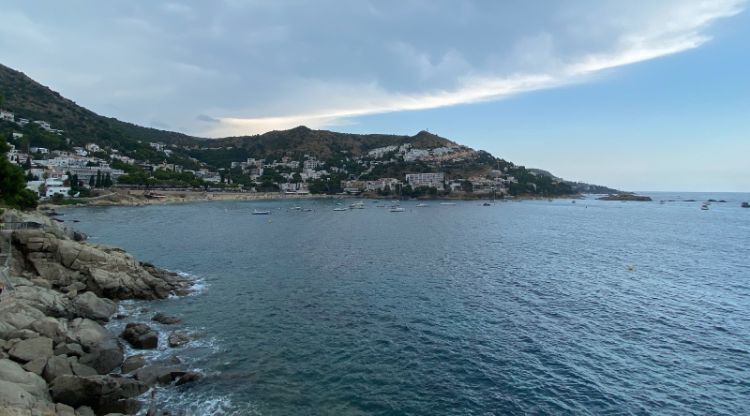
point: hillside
(344, 155)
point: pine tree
(92, 181)
(98, 182)
(107, 181)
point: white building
(416, 154)
(43, 124)
(7, 116)
(40, 150)
(93, 147)
(432, 180)
(17, 135)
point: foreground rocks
(56, 358)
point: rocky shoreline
(59, 292)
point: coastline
(125, 197)
(60, 300)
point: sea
(560, 307)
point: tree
(107, 181)
(98, 182)
(13, 190)
(92, 181)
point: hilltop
(152, 157)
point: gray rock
(140, 336)
(85, 411)
(64, 410)
(11, 372)
(133, 363)
(82, 369)
(104, 357)
(86, 332)
(69, 349)
(22, 334)
(166, 319)
(88, 305)
(29, 349)
(36, 366)
(178, 338)
(56, 366)
(50, 328)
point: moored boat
(261, 212)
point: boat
(704, 207)
(447, 203)
(745, 205)
(422, 205)
(486, 204)
(341, 209)
(297, 208)
(357, 205)
(261, 212)
(397, 209)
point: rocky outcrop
(166, 319)
(56, 358)
(178, 338)
(140, 336)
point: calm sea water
(531, 307)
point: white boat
(422, 205)
(341, 209)
(447, 203)
(357, 205)
(261, 212)
(297, 208)
(397, 209)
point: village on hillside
(394, 170)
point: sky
(641, 96)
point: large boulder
(29, 349)
(50, 302)
(52, 328)
(88, 305)
(140, 336)
(105, 394)
(104, 357)
(34, 385)
(57, 366)
(86, 332)
(16, 314)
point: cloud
(256, 66)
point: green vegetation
(13, 192)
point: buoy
(631, 268)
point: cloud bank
(242, 67)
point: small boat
(447, 203)
(341, 209)
(396, 208)
(297, 208)
(745, 205)
(261, 212)
(486, 204)
(704, 207)
(357, 205)
(422, 205)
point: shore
(59, 292)
(130, 197)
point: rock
(57, 366)
(64, 410)
(189, 377)
(33, 384)
(178, 338)
(81, 369)
(133, 363)
(88, 305)
(51, 328)
(166, 319)
(14, 396)
(86, 332)
(154, 374)
(104, 357)
(69, 349)
(102, 393)
(85, 411)
(74, 287)
(15, 315)
(36, 366)
(22, 334)
(140, 336)
(29, 349)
